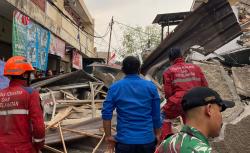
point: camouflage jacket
(189, 140)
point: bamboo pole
(99, 88)
(68, 94)
(54, 106)
(80, 101)
(52, 149)
(99, 143)
(83, 133)
(62, 138)
(93, 99)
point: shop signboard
(57, 46)
(77, 60)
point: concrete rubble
(232, 84)
(73, 108)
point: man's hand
(111, 143)
(158, 136)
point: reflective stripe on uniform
(15, 112)
(187, 79)
(38, 140)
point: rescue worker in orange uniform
(22, 128)
(179, 78)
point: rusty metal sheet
(210, 26)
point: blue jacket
(137, 104)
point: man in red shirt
(179, 78)
(22, 127)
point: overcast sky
(131, 12)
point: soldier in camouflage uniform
(202, 107)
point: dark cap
(201, 96)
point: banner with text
(30, 40)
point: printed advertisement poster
(30, 40)
(77, 60)
(57, 46)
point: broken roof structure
(210, 26)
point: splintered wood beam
(52, 149)
(83, 133)
(62, 138)
(99, 143)
(92, 99)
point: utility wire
(104, 35)
(123, 24)
(75, 24)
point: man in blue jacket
(137, 104)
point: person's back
(133, 98)
(183, 77)
(22, 127)
(177, 80)
(137, 104)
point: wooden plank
(99, 89)
(59, 117)
(83, 133)
(99, 143)
(100, 92)
(52, 149)
(62, 138)
(80, 101)
(54, 102)
(69, 94)
(73, 86)
(92, 99)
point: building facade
(52, 34)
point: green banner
(30, 40)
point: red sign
(40, 4)
(57, 46)
(77, 60)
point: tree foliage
(137, 40)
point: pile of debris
(244, 20)
(72, 106)
(232, 83)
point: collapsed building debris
(210, 26)
(72, 104)
(232, 83)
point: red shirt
(21, 116)
(181, 77)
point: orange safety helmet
(17, 65)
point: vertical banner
(43, 43)
(77, 60)
(57, 46)
(30, 40)
(4, 81)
